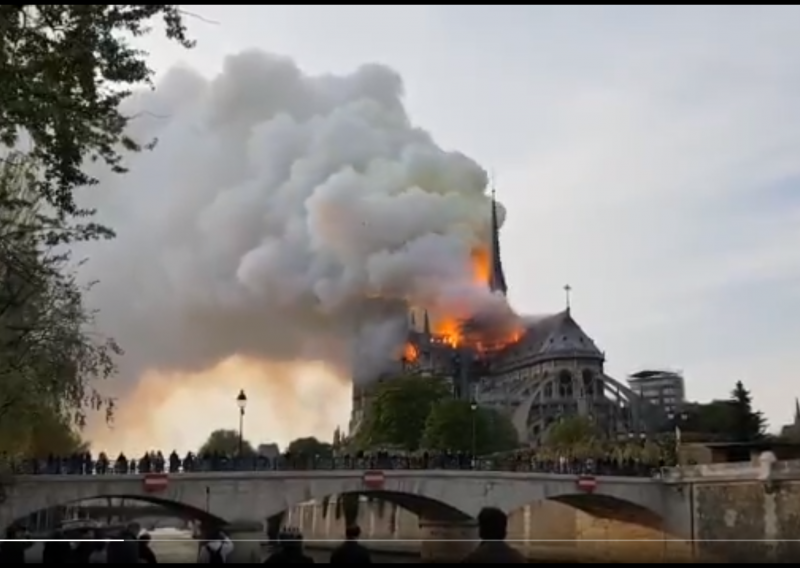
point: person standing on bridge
(493, 549)
(351, 551)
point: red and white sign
(587, 483)
(155, 482)
(374, 479)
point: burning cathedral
(538, 372)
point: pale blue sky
(648, 156)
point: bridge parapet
(764, 469)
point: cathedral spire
(412, 321)
(497, 279)
(797, 411)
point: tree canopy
(226, 443)
(399, 412)
(711, 421)
(308, 449)
(747, 424)
(50, 355)
(454, 425)
(66, 68)
(46, 433)
(573, 432)
(730, 420)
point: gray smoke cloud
(279, 217)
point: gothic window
(548, 391)
(588, 383)
(565, 385)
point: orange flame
(410, 352)
(481, 265)
(447, 328)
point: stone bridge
(438, 496)
(742, 512)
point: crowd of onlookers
(84, 546)
(619, 459)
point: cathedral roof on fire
(554, 335)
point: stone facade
(738, 516)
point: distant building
(269, 451)
(664, 389)
(792, 431)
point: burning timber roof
(555, 336)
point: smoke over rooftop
(277, 214)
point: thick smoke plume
(279, 217)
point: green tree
(454, 425)
(399, 412)
(54, 435)
(226, 443)
(712, 421)
(573, 432)
(747, 424)
(66, 68)
(308, 449)
(50, 357)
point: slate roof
(553, 336)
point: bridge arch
(420, 505)
(613, 509)
(178, 508)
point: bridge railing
(84, 465)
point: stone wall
(543, 531)
(747, 512)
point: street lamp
(474, 410)
(241, 402)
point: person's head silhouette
(492, 524)
(353, 532)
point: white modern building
(664, 389)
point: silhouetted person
(351, 551)
(146, 554)
(14, 552)
(216, 549)
(492, 530)
(57, 550)
(290, 550)
(174, 462)
(127, 551)
(99, 553)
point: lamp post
(474, 411)
(241, 402)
